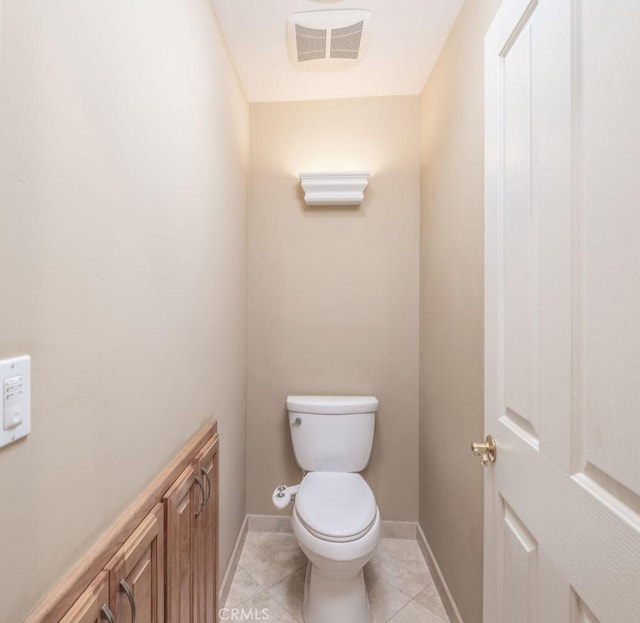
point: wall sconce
(333, 188)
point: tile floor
(271, 570)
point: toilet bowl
(338, 537)
(335, 518)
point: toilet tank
(332, 433)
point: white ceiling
(406, 38)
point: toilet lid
(336, 505)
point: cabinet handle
(106, 614)
(206, 476)
(124, 586)
(199, 483)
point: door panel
(562, 299)
(611, 273)
(519, 305)
(579, 611)
(141, 581)
(180, 534)
(206, 536)
(520, 575)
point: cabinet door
(205, 580)
(88, 607)
(136, 573)
(180, 507)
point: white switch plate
(15, 401)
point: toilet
(335, 518)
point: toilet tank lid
(332, 405)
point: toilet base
(335, 598)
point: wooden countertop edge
(57, 601)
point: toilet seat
(335, 506)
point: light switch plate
(15, 402)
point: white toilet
(335, 517)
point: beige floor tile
(263, 607)
(430, 599)
(384, 599)
(400, 563)
(413, 612)
(290, 591)
(269, 557)
(243, 587)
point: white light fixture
(334, 188)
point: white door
(562, 314)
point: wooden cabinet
(191, 514)
(136, 573)
(89, 606)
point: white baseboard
(269, 523)
(445, 594)
(225, 585)
(399, 530)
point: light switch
(12, 397)
(15, 376)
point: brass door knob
(486, 450)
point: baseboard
(225, 585)
(399, 530)
(445, 594)
(269, 523)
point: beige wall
(451, 307)
(333, 293)
(123, 158)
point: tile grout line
(398, 588)
(399, 611)
(293, 614)
(244, 601)
(418, 605)
(272, 596)
(286, 576)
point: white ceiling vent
(328, 37)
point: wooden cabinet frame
(88, 607)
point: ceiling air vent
(345, 42)
(328, 37)
(311, 43)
